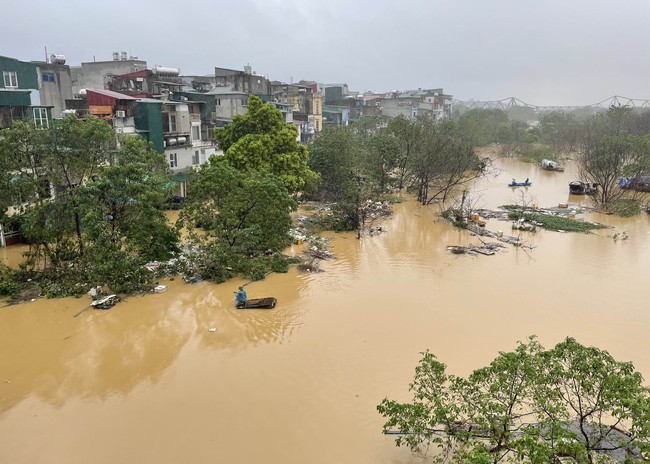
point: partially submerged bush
(626, 207)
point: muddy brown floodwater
(147, 381)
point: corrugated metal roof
(111, 94)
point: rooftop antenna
(47, 60)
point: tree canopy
(530, 405)
(241, 217)
(89, 211)
(261, 140)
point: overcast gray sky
(545, 52)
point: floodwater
(148, 382)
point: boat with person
(525, 183)
(268, 302)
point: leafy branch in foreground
(530, 405)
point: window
(48, 77)
(218, 101)
(40, 118)
(172, 123)
(196, 132)
(173, 160)
(10, 78)
(195, 157)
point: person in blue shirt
(240, 296)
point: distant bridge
(512, 102)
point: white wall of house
(180, 159)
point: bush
(627, 207)
(536, 153)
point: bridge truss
(512, 102)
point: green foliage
(529, 405)
(260, 140)
(89, 211)
(485, 126)
(552, 222)
(536, 153)
(242, 216)
(9, 283)
(627, 207)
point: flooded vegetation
(148, 381)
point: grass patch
(551, 222)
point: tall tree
(46, 169)
(241, 216)
(261, 140)
(611, 152)
(121, 206)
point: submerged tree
(442, 161)
(611, 153)
(530, 405)
(124, 224)
(241, 217)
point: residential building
(413, 103)
(185, 149)
(116, 108)
(337, 116)
(54, 83)
(20, 95)
(96, 75)
(306, 103)
(246, 81)
(158, 82)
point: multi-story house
(306, 104)
(246, 81)
(20, 96)
(158, 82)
(413, 103)
(97, 75)
(54, 83)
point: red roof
(105, 97)
(141, 73)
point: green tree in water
(261, 140)
(531, 406)
(47, 170)
(242, 217)
(124, 225)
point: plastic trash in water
(212, 329)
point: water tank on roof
(57, 59)
(83, 92)
(163, 71)
(182, 140)
(123, 56)
(116, 56)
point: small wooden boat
(551, 165)
(105, 303)
(582, 188)
(525, 183)
(258, 303)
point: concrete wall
(180, 159)
(227, 106)
(56, 87)
(94, 74)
